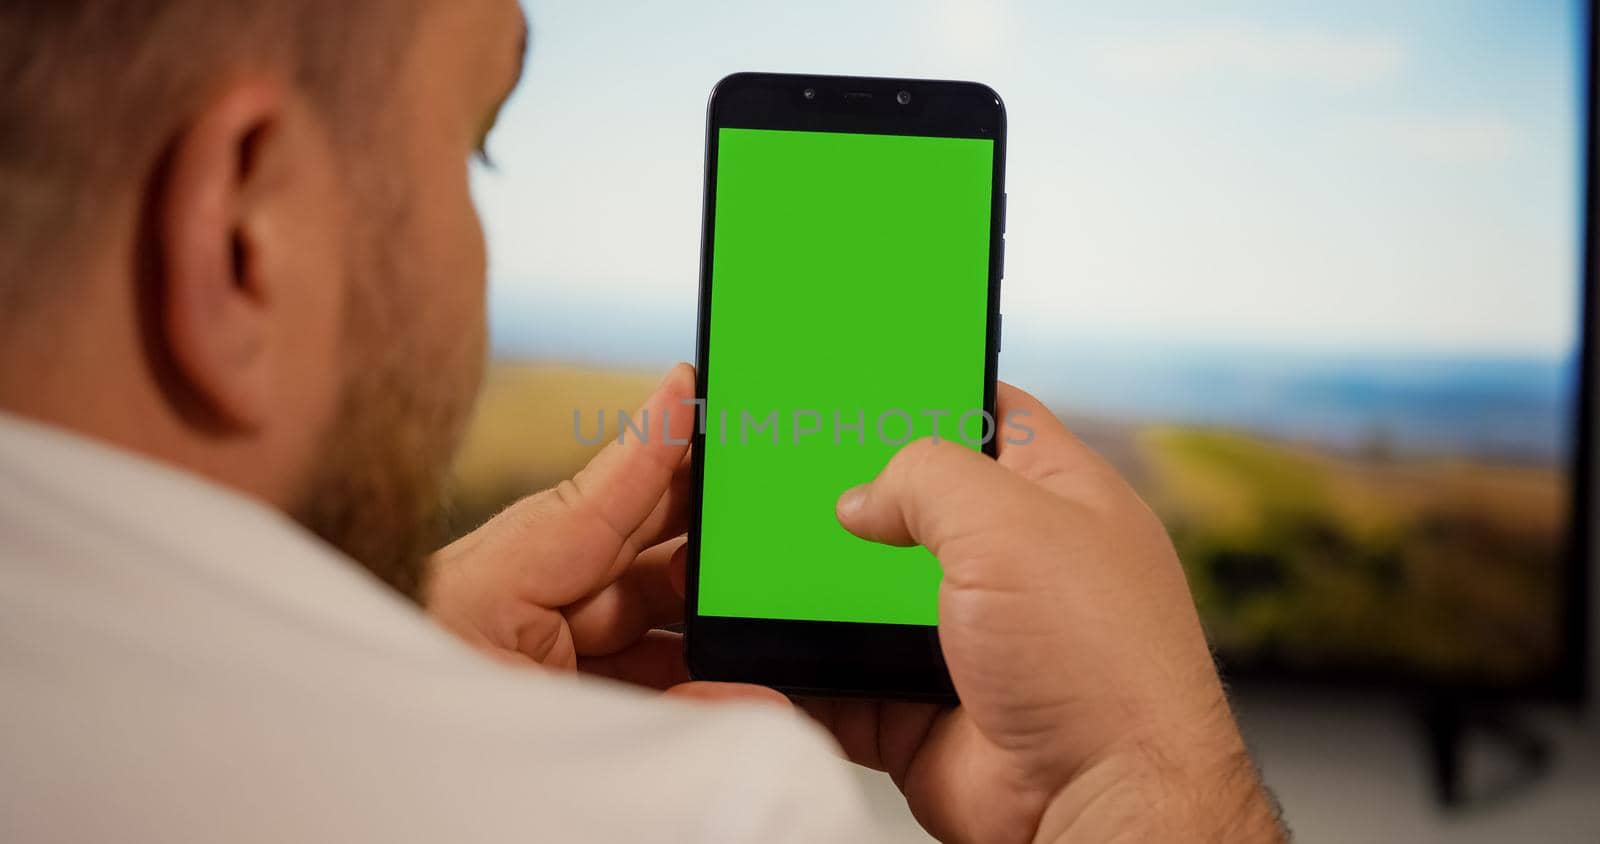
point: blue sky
(1357, 176)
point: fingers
(670, 517)
(920, 496)
(655, 662)
(678, 571)
(631, 496)
(882, 735)
(573, 553)
(624, 484)
(931, 492)
(853, 723)
(878, 511)
(728, 692)
(1033, 442)
(644, 597)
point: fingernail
(667, 378)
(852, 501)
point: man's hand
(1090, 708)
(579, 576)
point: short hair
(91, 90)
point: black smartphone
(853, 246)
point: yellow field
(1448, 564)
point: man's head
(239, 237)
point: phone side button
(1000, 335)
(1002, 256)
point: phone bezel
(834, 658)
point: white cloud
(1243, 50)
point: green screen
(849, 310)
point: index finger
(1033, 442)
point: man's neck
(95, 376)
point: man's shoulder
(233, 731)
(189, 664)
(185, 695)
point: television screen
(1310, 274)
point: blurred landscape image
(1301, 556)
(1309, 273)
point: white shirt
(180, 663)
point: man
(242, 324)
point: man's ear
(213, 293)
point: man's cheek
(467, 286)
(458, 254)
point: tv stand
(1453, 724)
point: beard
(376, 491)
(377, 494)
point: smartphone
(852, 252)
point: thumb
(625, 481)
(930, 493)
(581, 535)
